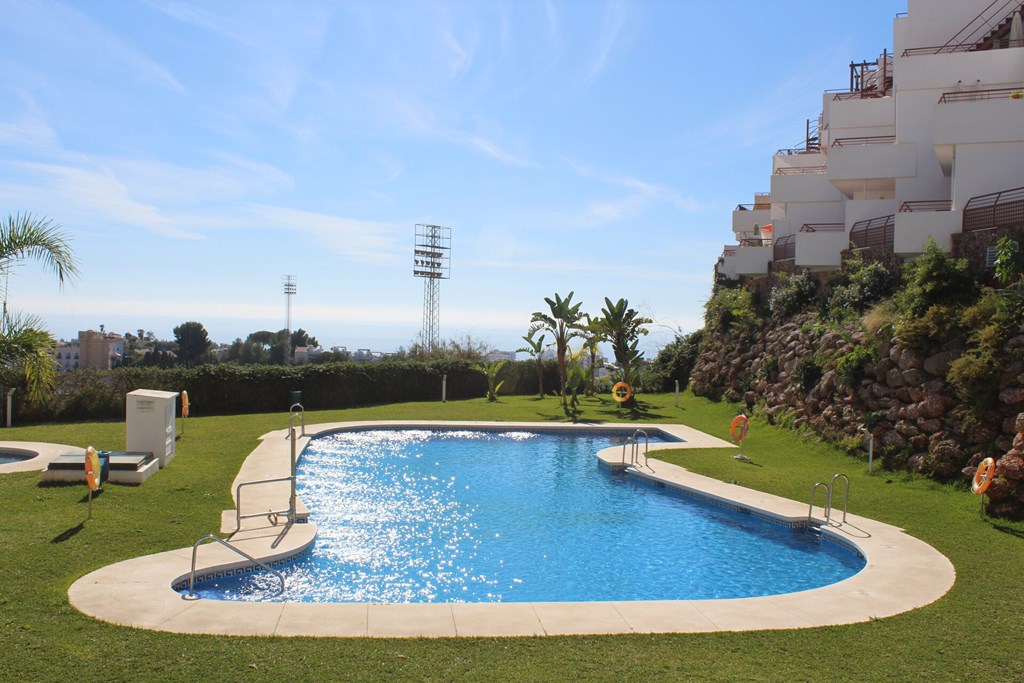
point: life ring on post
(184, 403)
(92, 468)
(984, 476)
(622, 392)
(738, 428)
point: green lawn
(973, 634)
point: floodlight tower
(289, 288)
(432, 261)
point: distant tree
(676, 359)
(193, 343)
(561, 322)
(24, 343)
(301, 338)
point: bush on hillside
(675, 361)
(792, 294)
(730, 310)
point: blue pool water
(7, 457)
(418, 516)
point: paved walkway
(902, 573)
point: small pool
(415, 516)
(8, 456)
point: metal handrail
(968, 43)
(800, 170)
(632, 453)
(760, 206)
(823, 227)
(865, 140)
(828, 500)
(927, 205)
(846, 495)
(636, 447)
(269, 513)
(756, 242)
(876, 232)
(302, 416)
(212, 537)
(994, 210)
(977, 95)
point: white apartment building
(925, 142)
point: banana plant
(561, 322)
(623, 327)
(535, 347)
(490, 370)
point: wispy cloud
(99, 193)
(644, 191)
(359, 240)
(615, 16)
(61, 29)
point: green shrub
(730, 310)
(975, 376)
(769, 367)
(935, 278)
(792, 294)
(850, 366)
(807, 373)
(675, 361)
(861, 285)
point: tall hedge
(225, 389)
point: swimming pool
(10, 456)
(420, 516)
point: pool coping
(902, 573)
(44, 454)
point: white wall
(981, 169)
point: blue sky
(196, 152)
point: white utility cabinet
(149, 422)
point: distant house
(495, 356)
(304, 354)
(96, 350)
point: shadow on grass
(1019, 533)
(639, 410)
(95, 494)
(65, 535)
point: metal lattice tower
(432, 261)
(289, 288)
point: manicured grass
(972, 634)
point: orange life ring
(983, 477)
(184, 403)
(622, 392)
(92, 468)
(738, 428)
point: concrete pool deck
(902, 573)
(41, 454)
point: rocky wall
(902, 399)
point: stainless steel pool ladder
(271, 515)
(634, 455)
(212, 537)
(829, 489)
(302, 420)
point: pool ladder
(829, 490)
(272, 515)
(634, 454)
(302, 420)
(213, 537)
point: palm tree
(623, 327)
(561, 322)
(23, 341)
(535, 348)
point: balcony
(976, 117)
(876, 232)
(868, 166)
(820, 245)
(919, 220)
(995, 210)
